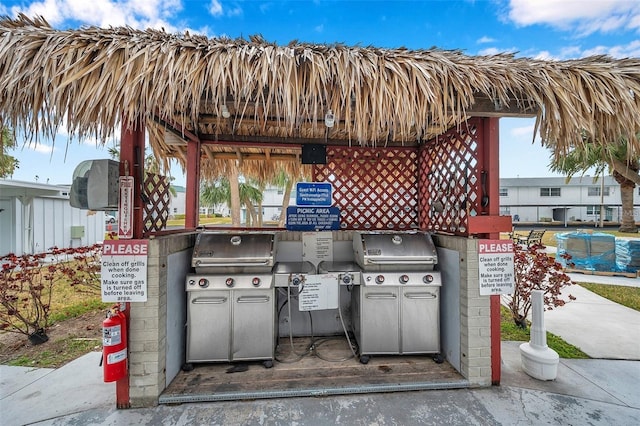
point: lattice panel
(450, 180)
(156, 209)
(375, 188)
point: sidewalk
(589, 391)
(595, 392)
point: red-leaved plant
(536, 270)
(27, 284)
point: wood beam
(486, 107)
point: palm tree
(614, 157)
(151, 165)
(283, 180)
(214, 193)
(8, 163)
(221, 191)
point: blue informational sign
(301, 218)
(313, 194)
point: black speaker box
(314, 154)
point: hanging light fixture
(329, 119)
(225, 111)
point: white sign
(124, 271)
(125, 207)
(317, 246)
(496, 267)
(318, 292)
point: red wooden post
(131, 153)
(491, 155)
(192, 199)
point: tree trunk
(627, 187)
(234, 187)
(628, 222)
(285, 202)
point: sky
(543, 29)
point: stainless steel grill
(231, 306)
(396, 310)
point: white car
(109, 218)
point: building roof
(557, 181)
(226, 91)
(17, 188)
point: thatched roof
(92, 77)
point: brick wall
(475, 313)
(148, 324)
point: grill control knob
(346, 279)
(229, 282)
(203, 282)
(192, 282)
(404, 279)
(255, 281)
(295, 280)
(427, 278)
(379, 279)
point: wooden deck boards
(310, 373)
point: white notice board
(496, 267)
(318, 292)
(317, 247)
(124, 270)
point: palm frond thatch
(92, 78)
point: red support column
(131, 153)
(192, 199)
(491, 154)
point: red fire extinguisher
(114, 345)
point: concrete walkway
(590, 391)
(594, 392)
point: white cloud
(215, 8)
(522, 131)
(41, 148)
(584, 17)
(495, 51)
(485, 39)
(139, 14)
(631, 50)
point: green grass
(510, 331)
(57, 354)
(626, 296)
(91, 304)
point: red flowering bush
(536, 270)
(27, 284)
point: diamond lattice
(375, 188)
(449, 179)
(156, 210)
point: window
(549, 192)
(504, 192)
(593, 210)
(505, 211)
(175, 210)
(594, 191)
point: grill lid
(226, 250)
(394, 251)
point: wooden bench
(534, 237)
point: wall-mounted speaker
(314, 154)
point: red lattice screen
(450, 182)
(156, 209)
(375, 188)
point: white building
(35, 217)
(178, 201)
(547, 199)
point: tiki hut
(411, 140)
